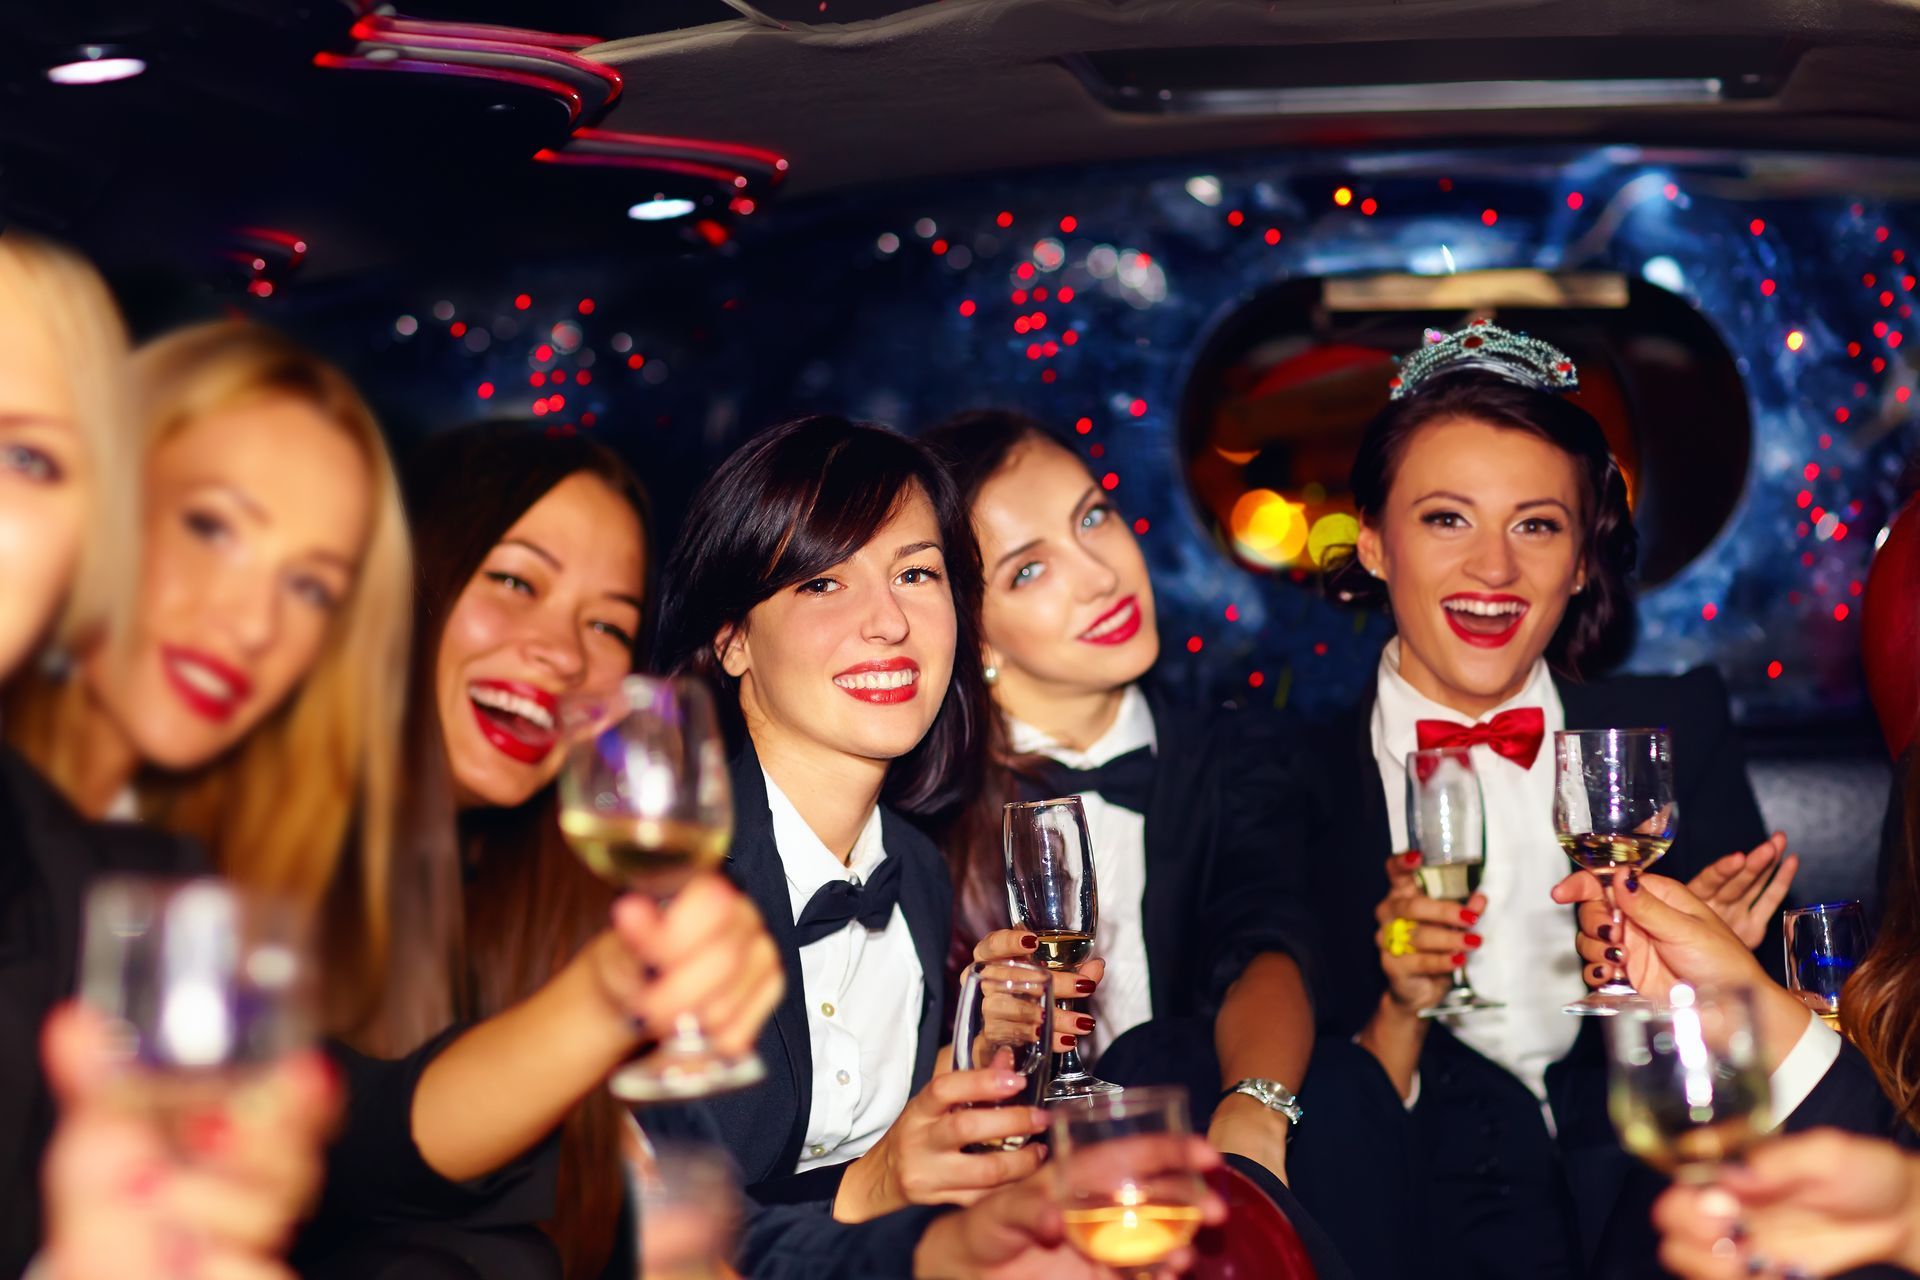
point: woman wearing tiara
(1495, 529)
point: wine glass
(1824, 943)
(204, 988)
(646, 803)
(1050, 888)
(1006, 1022)
(1685, 1086)
(1613, 810)
(1129, 1193)
(1446, 821)
(688, 1205)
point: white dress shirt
(863, 988)
(1125, 996)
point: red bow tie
(1515, 734)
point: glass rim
(1622, 729)
(1842, 904)
(1011, 805)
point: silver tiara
(1481, 345)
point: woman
(1494, 526)
(1202, 905)
(117, 1202)
(253, 700)
(826, 578)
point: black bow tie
(1125, 780)
(838, 901)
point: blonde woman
(253, 698)
(116, 1203)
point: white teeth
(513, 703)
(1113, 624)
(1486, 608)
(204, 680)
(878, 679)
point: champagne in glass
(1050, 888)
(1685, 1086)
(204, 987)
(1006, 1023)
(1824, 943)
(646, 803)
(1129, 1194)
(1613, 810)
(1446, 821)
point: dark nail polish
(1606, 932)
(1633, 884)
(1085, 987)
(1469, 918)
(1472, 940)
(1599, 971)
(1084, 1023)
(1028, 942)
(1069, 1041)
(1614, 954)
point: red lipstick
(518, 719)
(1485, 631)
(211, 688)
(1121, 623)
(882, 682)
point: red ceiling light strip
(566, 93)
(657, 164)
(422, 40)
(476, 31)
(771, 159)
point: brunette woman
(1203, 918)
(116, 1202)
(827, 579)
(1494, 526)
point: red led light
(1901, 394)
(939, 247)
(1766, 288)
(458, 328)
(1083, 426)
(1886, 297)
(1758, 226)
(1235, 218)
(536, 379)
(1575, 199)
(1879, 364)
(1069, 224)
(1369, 206)
(1773, 670)
(1110, 481)
(1140, 525)
(583, 377)
(1233, 613)
(1018, 297)
(1855, 587)
(1840, 531)
(559, 376)
(1038, 319)
(636, 360)
(1021, 324)
(1817, 514)
(1840, 415)
(1869, 280)
(967, 308)
(1826, 441)
(1024, 271)
(1272, 236)
(1033, 351)
(1670, 191)
(522, 302)
(1096, 451)
(543, 352)
(1256, 680)
(1320, 649)
(1138, 408)
(1853, 350)
(1709, 611)
(1049, 349)
(1811, 471)
(1039, 295)
(1804, 499)
(1880, 234)
(539, 408)
(1195, 644)
(587, 419)
(1880, 328)
(1840, 612)
(1065, 294)
(1446, 184)
(1047, 375)
(555, 403)
(586, 306)
(1893, 339)
(1070, 337)
(1004, 220)
(1489, 217)
(484, 391)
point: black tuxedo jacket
(764, 1127)
(1225, 849)
(1350, 845)
(48, 852)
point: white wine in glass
(1685, 1086)
(1129, 1195)
(1447, 824)
(646, 803)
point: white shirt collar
(805, 858)
(1399, 705)
(1131, 729)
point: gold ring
(1400, 936)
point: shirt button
(817, 1149)
(842, 1077)
(826, 1007)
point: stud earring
(992, 673)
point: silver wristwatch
(1271, 1094)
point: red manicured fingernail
(1028, 942)
(1069, 1041)
(1459, 958)
(1085, 1023)
(1469, 917)
(1411, 859)
(1472, 940)
(1085, 987)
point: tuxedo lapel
(1173, 821)
(926, 900)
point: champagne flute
(1129, 1193)
(1446, 821)
(1613, 810)
(688, 1205)
(1824, 943)
(1685, 1086)
(646, 803)
(204, 987)
(1006, 1022)
(1050, 887)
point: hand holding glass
(1614, 810)
(1006, 1023)
(1446, 822)
(1129, 1193)
(1051, 891)
(647, 803)
(1824, 943)
(1685, 1086)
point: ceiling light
(1465, 95)
(659, 209)
(96, 65)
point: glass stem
(1618, 981)
(1068, 1065)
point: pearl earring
(992, 673)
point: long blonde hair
(320, 774)
(68, 298)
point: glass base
(1083, 1085)
(1460, 1000)
(1605, 1002)
(675, 1075)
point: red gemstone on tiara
(1471, 342)
(1393, 382)
(1565, 366)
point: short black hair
(791, 503)
(1597, 629)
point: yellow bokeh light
(1268, 528)
(1336, 530)
(1343, 196)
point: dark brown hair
(786, 506)
(1598, 625)
(1880, 1005)
(527, 905)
